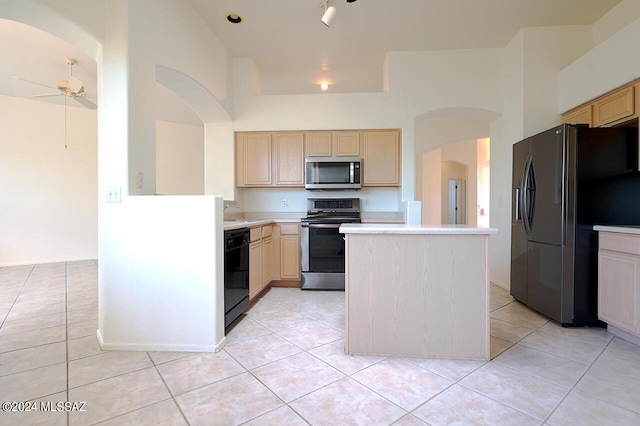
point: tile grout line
(66, 335)
(26, 280)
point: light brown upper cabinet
(614, 107)
(269, 159)
(580, 115)
(253, 159)
(340, 143)
(289, 159)
(381, 158)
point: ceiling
(287, 36)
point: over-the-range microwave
(332, 173)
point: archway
(452, 134)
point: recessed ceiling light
(234, 18)
(324, 86)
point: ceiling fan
(72, 88)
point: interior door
(548, 159)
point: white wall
(431, 199)
(608, 65)
(48, 193)
(179, 159)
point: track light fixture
(329, 13)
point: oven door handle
(320, 225)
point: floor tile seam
(70, 388)
(28, 330)
(336, 368)
(568, 389)
(305, 349)
(179, 394)
(556, 354)
(157, 364)
(13, 373)
(513, 324)
(615, 404)
(445, 377)
(388, 400)
(502, 403)
(26, 280)
(32, 346)
(171, 395)
(271, 411)
(511, 344)
(133, 411)
(573, 388)
(66, 331)
(574, 337)
(38, 314)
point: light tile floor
(284, 365)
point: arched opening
(453, 135)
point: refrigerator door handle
(529, 195)
(524, 191)
(517, 214)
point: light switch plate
(113, 194)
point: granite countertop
(378, 228)
(623, 229)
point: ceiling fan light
(329, 15)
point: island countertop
(417, 291)
(393, 228)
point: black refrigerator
(565, 180)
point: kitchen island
(417, 290)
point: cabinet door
(289, 155)
(381, 158)
(253, 159)
(616, 106)
(290, 257)
(255, 268)
(318, 144)
(580, 115)
(346, 144)
(267, 260)
(618, 290)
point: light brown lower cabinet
(290, 251)
(260, 259)
(255, 268)
(267, 261)
(619, 282)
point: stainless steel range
(322, 244)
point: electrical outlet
(113, 194)
(285, 203)
(139, 180)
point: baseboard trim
(158, 347)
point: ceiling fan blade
(75, 85)
(35, 82)
(85, 102)
(47, 95)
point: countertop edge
(619, 229)
(368, 228)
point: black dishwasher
(236, 273)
